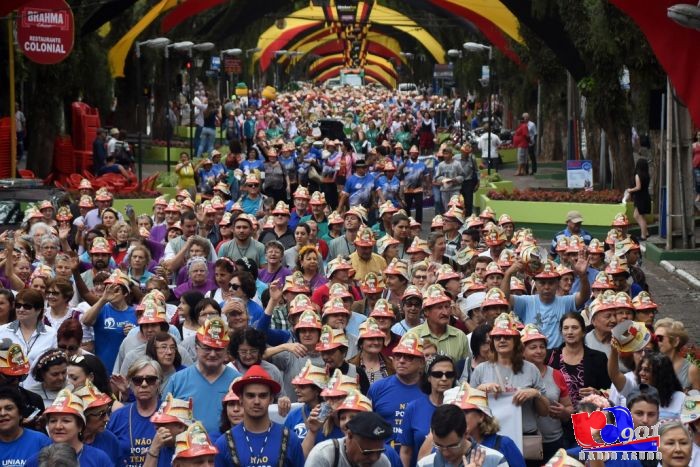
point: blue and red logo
(594, 433)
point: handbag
(532, 447)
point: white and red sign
(45, 31)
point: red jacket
(521, 138)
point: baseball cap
(369, 425)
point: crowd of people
(227, 327)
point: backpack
(122, 153)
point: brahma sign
(45, 31)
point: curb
(682, 273)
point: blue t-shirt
(415, 425)
(251, 206)
(247, 166)
(413, 174)
(165, 456)
(531, 310)
(109, 332)
(255, 311)
(108, 443)
(359, 189)
(190, 383)
(87, 457)
(389, 188)
(134, 432)
(295, 422)
(389, 398)
(507, 447)
(263, 450)
(18, 451)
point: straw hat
(174, 411)
(331, 339)
(214, 333)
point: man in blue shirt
(358, 187)
(574, 219)
(258, 440)
(545, 309)
(414, 174)
(208, 380)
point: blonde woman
(672, 336)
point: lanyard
(264, 445)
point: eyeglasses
(101, 414)
(443, 374)
(52, 293)
(149, 380)
(451, 447)
(165, 348)
(235, 286)
(368, 452)
(280, 215)
(250, 353)
(24, 306)
(210, 349)
(420, 277)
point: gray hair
(195, 260)
(663, 429)
(58, 455)
(141, 363)
(37, 226)
(49, 238)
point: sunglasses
(660, 338)
(235, 286)
(101, 414)
(403, 356)
(24, 306)
(252, 185)
(443, 374)
(368, 452)
(500, 338)
(149, 380)
(53, 293)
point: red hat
(410, 344)
(643, 301)
(256, 375)
(531, 333)
(495, 297)
(504, 325)
(214, 333)
(549, 271)
(434, 295)
(13, 361)
(492, 268)
(382, 309)
(194, 442)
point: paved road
(676, 298)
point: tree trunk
(47, 121)
(618, 135)
(553, 134)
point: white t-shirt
(671, 411)
(484, 148)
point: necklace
(243, 253)
(264, 445)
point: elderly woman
(163, 348)
(676, 445)
(28, 330)
(59, 293)
(672, 336)
(49, 375)
(49, 247)
(66, 423)
(195, 247)
(132, 423)
(139, 259)
(246, 349)
(198, 280)
(120, 233)
(560, 407)
(507, 371)
(415, 426)
(308, 263)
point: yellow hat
(630, 336)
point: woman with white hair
(198, 277)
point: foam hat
(223, 188)
(596, 247)
(335, 218)
(562, 459)
(690, 411)
(176, 226)
(331, 339)
(387, 207)
(256, 375)
(531, 333)
(299, 304)
(382, 309)
(576, 244)
(214, 333)
(42, 270)
(252, 178)
(13, 361)
(100, 245)
(488, 214)
(153, 313)
(456, 200)
(359, 211)
(418, 245)
(372, 283)
(624, 246)
(160, 201)
(472, 283)
(334, 306)
(187, 204)
(301, 193)
(446, 273)
(631, 336)
(281, 208)
(217, 203)
(602, 282)
(173, 206)
(86, 202)
(438, 222)
(495, 297)
(434, 295)
(492, 268)
(103, 195)
(311, 374)
(617, 266)
(474, 222)
(389, 166)
(506, 259)
(414, 150)
(339, 290)
(85, 184)
(465, 255)
(91, 396)
(248, 218)
(269, 223)
(67, 403)
(63, 214)
(504, 325)
(357, 402)
(173, 410)
(410, 344)
(614, 235)
(468, 398)
(225, 219)
(505, 219)
(562, 244)
(184, 194)
(623, 300)
(295, 283)
(411, 291)
(397, 267)
(620, 220)
(603, 302)
(309, 319)
(119, 278)
(369, 329)
(455, 213)
(236, 207)
(549, 271)
(517, 284)
(32, 213)
(230, 395)
(563, 270)
(365, 238)
(340, 385)
(194, 442)
(643, 301)
(412, 223)
(385, 242)
(318, 198)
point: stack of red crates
(5, 149)
(86, 121)
(63, 157)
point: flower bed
(568, 196)
(540, 209)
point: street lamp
(157, 43)
(476, 47)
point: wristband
(152, 455)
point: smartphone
(325, 412)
